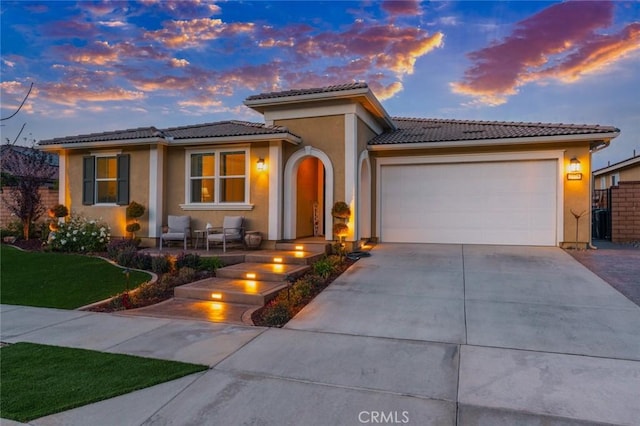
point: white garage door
(508, 202)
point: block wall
(49, 199)
(625, 212)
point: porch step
(308, 246)
(261, 271)
(285, 257)
(247, 292)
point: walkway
(425, 334)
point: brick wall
(625, 212)
(49, 199)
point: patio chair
(231, 230)
(178, 229)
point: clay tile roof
(139, 133)
(310, 91)
(422, 130)
(207, 130)
(222, 129)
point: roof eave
(617, 166)
(286, 137)
(261, 105)
(103, 144)
(495, 142)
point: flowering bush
(80, 235)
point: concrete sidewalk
(416, 334)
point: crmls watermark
(383, 417)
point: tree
(30, 169)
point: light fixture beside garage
(574, 170)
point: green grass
(38, 380)
(57, 280)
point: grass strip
(38, 380)
(58, 280)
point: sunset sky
(100, 66)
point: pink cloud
(102, 53)
(563, 34)
(401, 7)
(73, 94)
(195, 32)
(595, 55)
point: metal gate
(601, 214)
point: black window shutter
(88, 180)
(123, 179)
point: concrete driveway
(415, 334)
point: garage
(512, 202)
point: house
(624, 171)
(406, 179)
(616, 201)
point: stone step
(247, 292)
(261, 271)
(284, 257)
(314, 246)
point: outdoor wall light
(261, 165)
(574, 170)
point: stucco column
(156, 189)
(63, 190)
(275, 170)
(351, 172)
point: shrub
(186, 275)
(210, 264)
(341, 210)
(80, 235)
(276, 314)
(59, 210)
(135, 210)
(160, 264)
(324, 267)
(126, 256)
(340, 229)
(115, 246)
(143, 261)
(189, 260)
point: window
(105, 179)
(614, 179)
(217, 177)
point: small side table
(200, 233)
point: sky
(101, 66)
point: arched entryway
(308, 194)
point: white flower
(92, 222)
(93, 234)
(63, 242)
(75, 231)
(68, 234)
(82, 248)
(53, 237)
(75, 239)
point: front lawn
(38, 380)
(57, 280)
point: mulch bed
(256, 316)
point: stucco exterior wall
(113, 215)
(174, 183)
(627, 174)
(325, 134)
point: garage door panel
(475, 203)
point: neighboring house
(625, 171)
(616, 201)
(406, 179)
